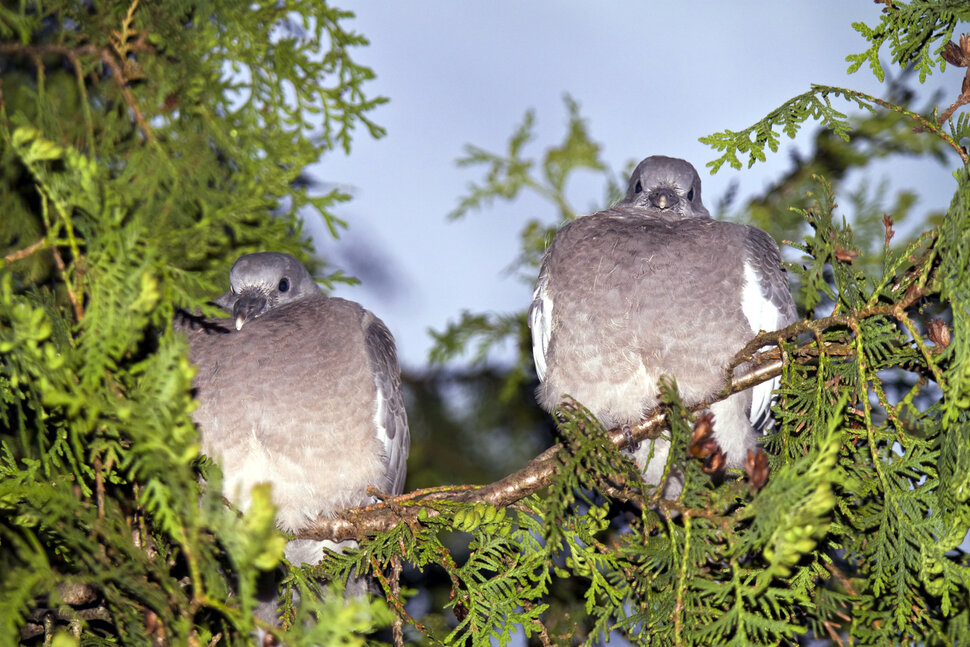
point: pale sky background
(650, 78)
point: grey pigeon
(655, 286)
(300, 390)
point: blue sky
(651, 78)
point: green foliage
(146, 146)
(487, 329)
(955, 271)
(790, 116)
(508, 175)
(916, 33)
(878, 135)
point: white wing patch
(540, 321)
(761, 315)
(759, 311)
(380, 416)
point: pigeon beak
(247, 308)
(663, 198)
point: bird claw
(631, 444)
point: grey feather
(390, 418)
(291, 390)
(655, 286)
(761, 251)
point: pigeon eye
(284, 284)
(690, 194)
(638, 188)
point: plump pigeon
(300, 390)
(655, 286)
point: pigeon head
(669, 187)
(262, 281)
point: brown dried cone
(715, 463)
(155, 628)
(845, 255)
(704, 447)
(939, 333)
(958, 55)
(756, 465)
(887, 222)
(460, 610)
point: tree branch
(20, 254)
(107, 57)
(924, 123)
(540, 472)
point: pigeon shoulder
(752, 239)
(600, 227)
(763, 263)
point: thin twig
(62, 268)
(398, 627)
(681, 577)
(842, 579)
(392, 594)
(918, 340)
(816, 326)
(920, 119)
(408, 496)
(543, 632)
(119, 76)
(106, 56)
(99, 485)
(13, 257)
(85, 104)
(962, 100)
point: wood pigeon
(300, 390)
(654, 286)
